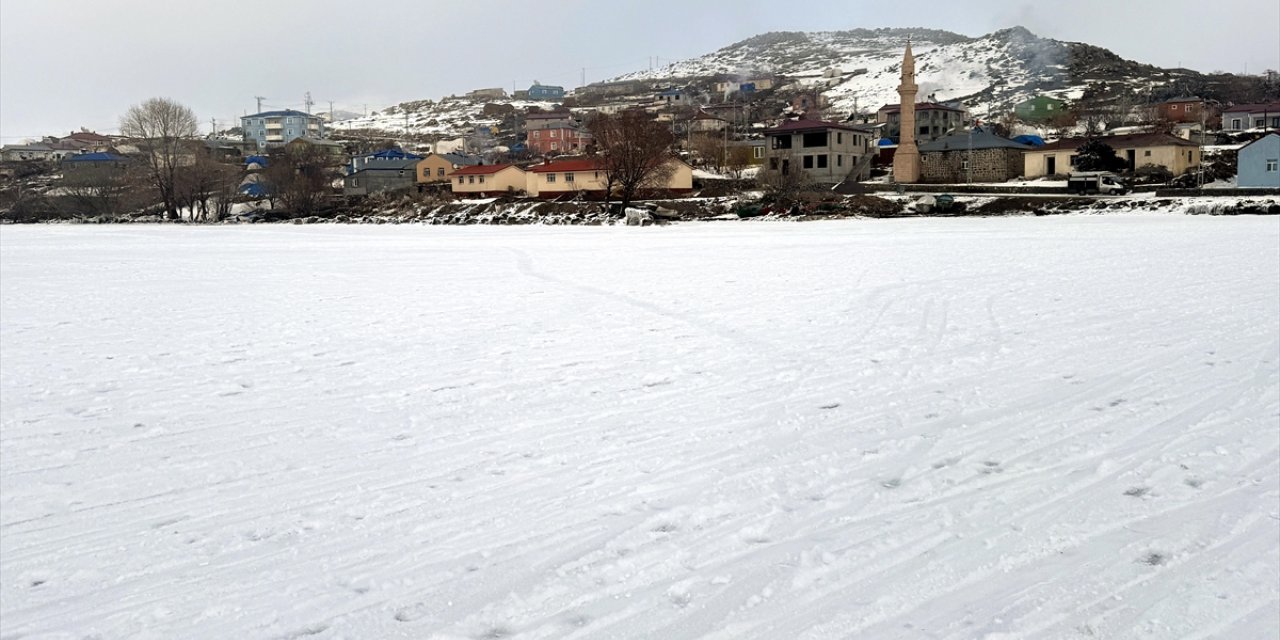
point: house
(1039, 109)
(703, 122)
(438, 167)
(85, 141)
(972, 156)
(17, 152)
(545, 92)
(334, 149)
(1251, 116)
(554, 133)
(385, 157)
(676, 97)
(1181, 109)
(381, 176)
(933, 120)
(487, 180)
(495, 93)
(1258, 163)
(755, 150)
(273, 128)
(587, 176)
(1138, 149)
(92, 168)
(828, 152)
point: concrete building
(274, 128)
(1251, 116)
(390, 175)
(932, 120)
(587, 177)
(1137, 150)
(1258, 163)
(906, 160)
(827, 152)
(545, 92)
(1181, 109)
(494, 93)
(979, 156)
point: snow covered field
(1059, 427)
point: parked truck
(1096, 182)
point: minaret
(906, 160)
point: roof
(484, 169)
(393, 154)
(94, 157)
(88, 136)
(1264, 107)
(581, 164)
(1041, 99)
(545, 86)
(1131, 140)
(394, 165)
(27, 147)
(1181, 99)
(802, 125)
(317, 141)
(921, 106)
(980, 139)
(282, 112)
(462, 160)
(549, 115)
(1266, 137)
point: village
(716, 148)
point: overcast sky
(65, 64)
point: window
(551, 177)
(815, 139)
(1188, 155)
(924, 131)
(555, 145)
(781, 142)
(1071, 161)
(568, 177)
(439, 172)
(553, 133)
(288, 120)
(839, 160)
(773, 164)
(822, 161)
(481, 179)
(808, 162)
(1235, 124)
(839, 138)
(1272, 165)
(964, 164)
(537, 134)
(1257, 122)
(1048, 107)
(1146, 154)
(459, 179)
(471, 179)
(757, 152)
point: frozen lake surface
(1062, 427)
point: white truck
(1096, 182)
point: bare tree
(300, 176)
(163, 128)
(711, 147)
(104, 190)
(206, 188)
(784, 179)
(635, 152)
(738, 158)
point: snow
(1034, 427)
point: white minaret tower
(906, 160)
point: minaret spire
(906, 160)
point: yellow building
(485, 180)
(1137, 150)
(586, 176)
(435, 168)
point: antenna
(259, 99)
(330, 111)
(307, 101)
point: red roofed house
(1181, 109)
(486, 180)
(586, 176)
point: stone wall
(988, 165)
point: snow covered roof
(1132, 140)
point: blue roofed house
(385, 157)
(92, 168)
(540, 91)
(1258, 163)
(275, 128)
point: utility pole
(213, 127)
(330, 111)
(259, 99)
(584, 77)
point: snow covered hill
(1053, 428)
(989, 74)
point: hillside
(859, 69)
